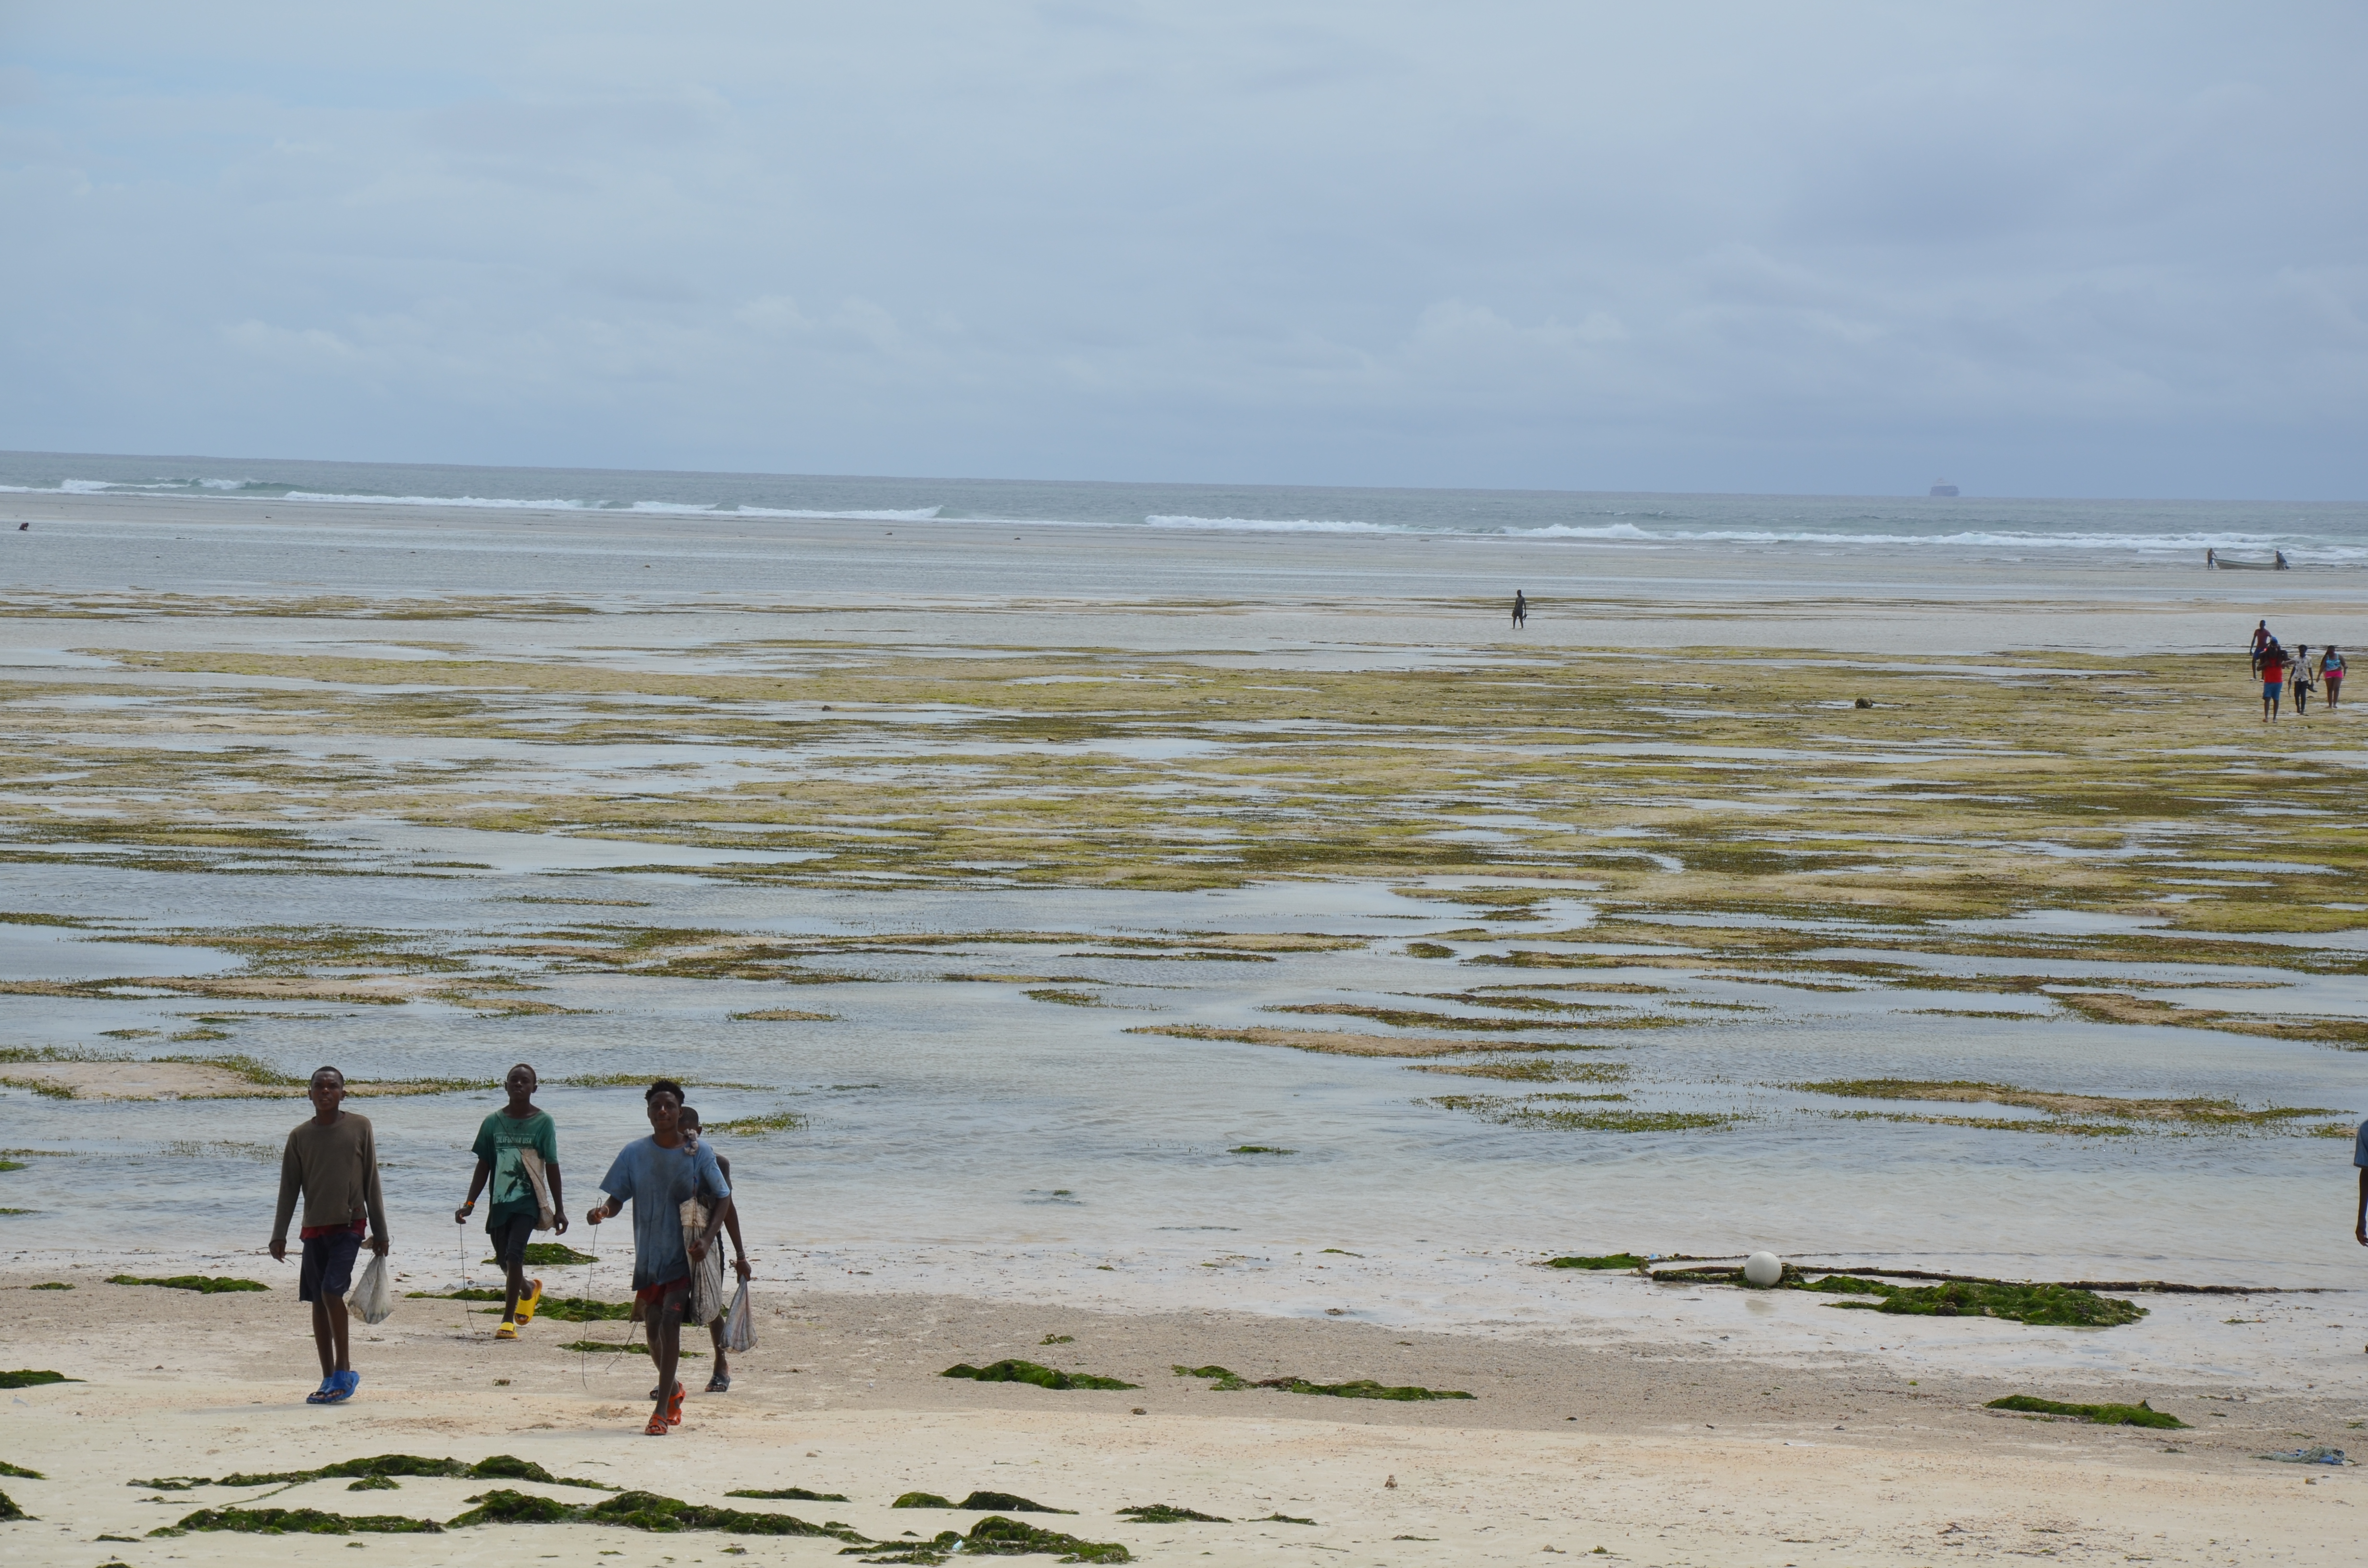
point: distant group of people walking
(2283, 673)
(679, 1189)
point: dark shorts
(509, 1238)
(328, 1267)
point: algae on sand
(1017, 1371)
(204, 1285)
(1224, 1382)
(2138, 1414)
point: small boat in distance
(1943, 487)
(2217, 562)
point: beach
(1224, 947)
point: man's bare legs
(723, 1362)
(329, 1336)
(665, 1348)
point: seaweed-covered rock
(1016, 1371)
(1008, 1502)
(995, 1536)
(504, 1506)
(640, 1511)
(1168, 1514)
(301, 1521)
(1605, 1260)
(922, 1500)
(790, 1494)
(8, 1509)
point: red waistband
(314, 1232)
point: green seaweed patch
(8, 1509)
(1058, 1339)
(1533, 1070)
(1067, 998)
(204, 1285)
(1429, 950)
(299, 1521)
(552, 1255)
(51, 1285)
(1538, 1110)
(995, 1536)
(922, 1500)
(789, 1494)
(1279, 1520)
(1016, 1371)
(1224, 1381)
(1259, 1148)
(20, 1471)
(2184, 1112)
(630, 1347)
(12, 1165)
(375, 1484)
(1168, 1514)
(757, 1126)
(1006, 1503)
(2052, 1306)
(640, 1511)
(2138, 1414)
(1602, 1260)
(783, 1015)
(494, 1467)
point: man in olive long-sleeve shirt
(334, 1160)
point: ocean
(1966, 526)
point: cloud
(1830, 246)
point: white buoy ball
(1763, 1269)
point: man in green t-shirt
(518, 1150)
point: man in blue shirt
(656, 1174)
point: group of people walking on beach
(2283, 673)
(680, 1190)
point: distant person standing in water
(1520, 609)
(2272, 665)
(333, 1160)
(2262, 638)
(2330, 670)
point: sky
(2038, 249)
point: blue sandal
(320, 1396)
(345, 1384)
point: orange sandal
(674, 1408)
(656, 1429)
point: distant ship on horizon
(1943, 487)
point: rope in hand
(582, 1356)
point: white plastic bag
(707, 1273)
(740, 1324)
(373, 1298)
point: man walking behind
(658, 1175)
(333, 1160)
(720, 1380)
(516, 1146)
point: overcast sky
(2038, 249)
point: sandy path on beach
(1671, 1458)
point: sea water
(960, 1137)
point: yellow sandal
(527, 1302)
